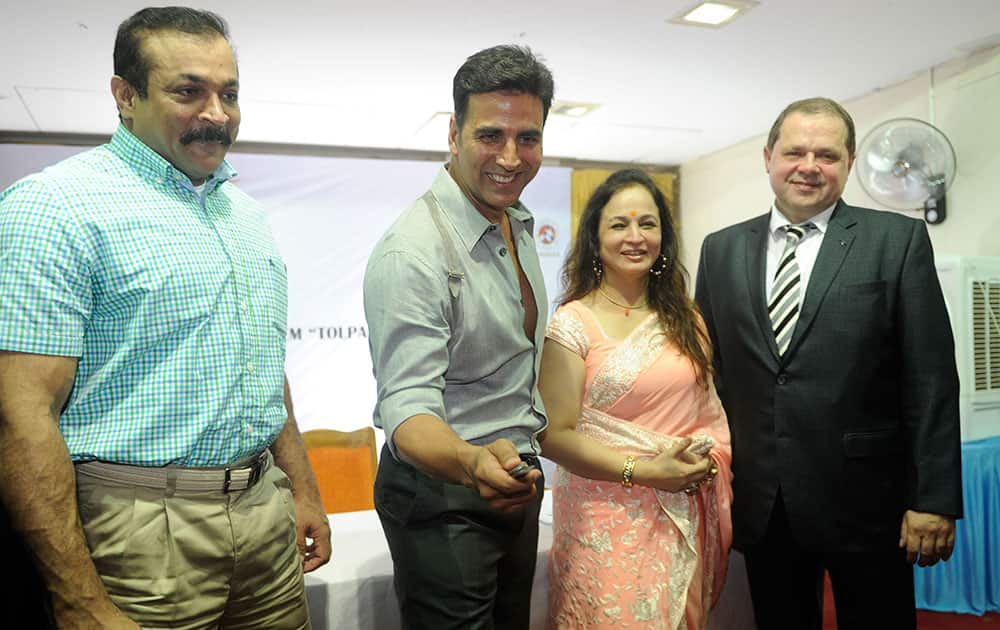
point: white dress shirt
(805, 253)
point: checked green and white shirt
(174, 302)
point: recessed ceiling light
(571, 109)
(714, 14)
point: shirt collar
(154, 167)
(779, 220)
(468, 222)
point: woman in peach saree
(642, 528)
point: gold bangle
(627, 471)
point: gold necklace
(619, 304)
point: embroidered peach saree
(638, 557)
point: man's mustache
(207, 134)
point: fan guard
(906, 164)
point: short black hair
(502, 68)
(131, 65)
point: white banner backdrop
(327, 213)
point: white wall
(961, 97)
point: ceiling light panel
(572, 109)
(713, 14)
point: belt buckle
(256, 470)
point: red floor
(926, 620)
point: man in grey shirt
(456, 310)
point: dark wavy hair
(505, 67)
(666, 294)
(131, 64)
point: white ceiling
(372, 73)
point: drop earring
(664, 263)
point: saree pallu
(638, 557)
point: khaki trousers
(201, 560)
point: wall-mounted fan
(907, 164)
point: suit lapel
(836, 243)
(756, 268)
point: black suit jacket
(859, 420)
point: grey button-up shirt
(465, 360)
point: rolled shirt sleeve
(406, 305)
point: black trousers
(871, 590)
(458, 564)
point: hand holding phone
(519, 471)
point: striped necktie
(783, 307)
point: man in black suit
(835, 363)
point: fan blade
(879, 162)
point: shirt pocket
(277, 290)
(267, 285)
(265, 316)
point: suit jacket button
(782, 378)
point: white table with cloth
(354, 590)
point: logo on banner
(547, 234)
(549, 238)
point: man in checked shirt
(146, 453)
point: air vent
(986, 334)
